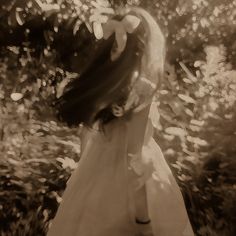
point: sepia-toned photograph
(117, 118)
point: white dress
(99, 197)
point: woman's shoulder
(140, 96)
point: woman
(123, 185)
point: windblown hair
(88, 99)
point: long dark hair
(88, 98)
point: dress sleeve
(140, 127)
(141, 95)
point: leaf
(14, 49)
(95, 4)
(198, 63)
(103, 3)
(76, 27)
(97, 29)
(98, 4)
(154, 115)
(164, 92)
(77, 3)
(88, 27)
(38, 4)
(197, 141)
(19, 18)
(176, 131)
(176, 107)
(16, 96)
(197, 122)
(204, 23)
(14, 162)
(186, 98)
(188, 72)
(60, 87)
(98, 18)
(169, 137)
(194, 128)
(189, 112)
(213, 105)
(67, 162)
(187, 81)
(50, 8)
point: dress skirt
(98, 200)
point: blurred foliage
(38, 154)
(44, 44)
(197, 130)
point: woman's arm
(136, 133)
(136, 130)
